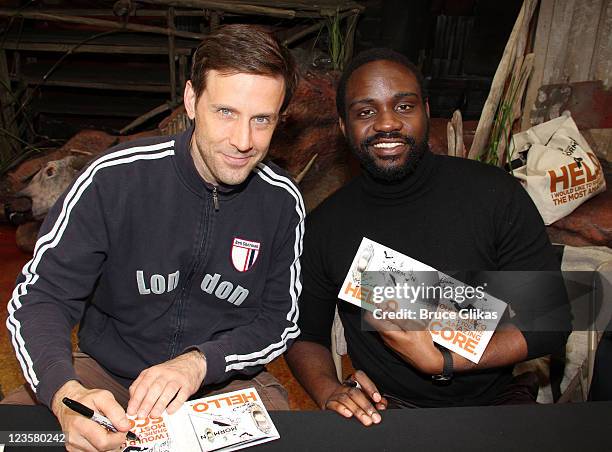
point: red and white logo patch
(244, 254)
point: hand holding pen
(96, 417)
(81, 433)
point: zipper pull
(215, 199)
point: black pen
(96, 417)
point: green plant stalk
(335, 48)
(502, 125)
(338, 40)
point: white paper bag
(562, 171)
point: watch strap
(446, 377)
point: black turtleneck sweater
(450, 213)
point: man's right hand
(83, 434)
(362, 403)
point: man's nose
(387, 121)
(241, 136)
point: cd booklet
(226, 422)
(459, 317)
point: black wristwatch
(446, 377)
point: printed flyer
(227, 422)
(459, 317)
(223, 422)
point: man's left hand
(416, 348)
(410, 339)
(167, 385)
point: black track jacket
(173, 264)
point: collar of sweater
(415, 184)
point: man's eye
(226, 112)
(261, 120)
(365, 113)
(404, 107)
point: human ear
(342, 126)
(189, 99)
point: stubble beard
(390, 173)
(216, 171)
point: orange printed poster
(459, 317)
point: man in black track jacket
(179, 256)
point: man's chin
(232, 176)
(388, 168)
(233, 180)
(391, 168)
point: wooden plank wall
(573, 43)
(601, 65)
(578, 41)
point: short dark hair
(368, 56)
(240, 48)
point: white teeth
(387, 145)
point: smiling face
(387, 120)
(235, 117)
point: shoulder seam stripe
(83, 177)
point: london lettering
(224, 290)
(157, 283)
(211, 284)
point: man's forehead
(234, 76)
(245, 90)
(381, 77)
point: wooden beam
(100, 23)
(457, 122)
(524, 75)
(451, 139)
(148, 115)
(171, 55)
(228, 7)
(88, 12)
(135, 86)
(305, 32)
(8, 146)
(515, 100)
(330, 5)
(485, 123)
(302, 173)
(10, 44)
(540, 48)
(183, 75)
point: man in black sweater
(452, 214)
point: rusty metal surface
(589, 102)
